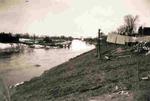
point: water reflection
(78, 45)
(33, 62)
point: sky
(69, 17)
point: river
(31, 63)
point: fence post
(98, 44)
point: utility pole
(98, 44)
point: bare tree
(130, 24)
(121, 30)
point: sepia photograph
(74, 50)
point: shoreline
(26, 69)
(22, 82)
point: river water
(21, 67)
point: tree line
(14, 38)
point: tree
(130, 25)
(121, 30)
(131, 22)
(47, 39)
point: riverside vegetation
(85, 78)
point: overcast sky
(69, 17)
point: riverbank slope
(85, 78)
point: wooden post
(98, 44)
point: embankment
(85, 78)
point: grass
(85, 77)
(4, 91)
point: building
(142, 36)
(120, 39)
(144, 31)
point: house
(144, 31)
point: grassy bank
(85, 78)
